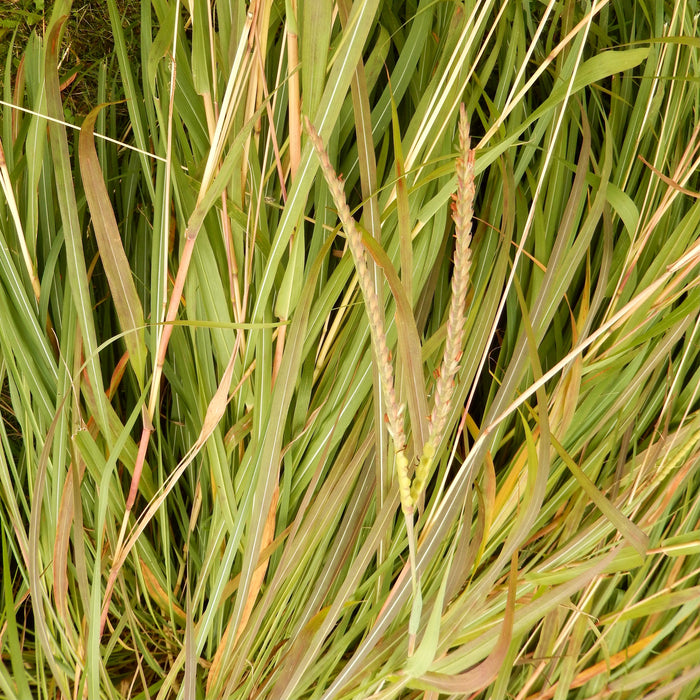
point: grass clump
(426, 429)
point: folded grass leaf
(116, 264)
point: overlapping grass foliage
(199, 446)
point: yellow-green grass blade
(73, 237)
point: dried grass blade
(165, 600)
(62, 544)
(484, 674)
(116, 265)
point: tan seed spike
(394, 411)
(462, 213)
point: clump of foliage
(425, 429)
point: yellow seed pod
(425, 465)
(423, 470)
(401, 465)
(404, 481)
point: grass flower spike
(394, 411)
(462, 213)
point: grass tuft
(402, 404)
